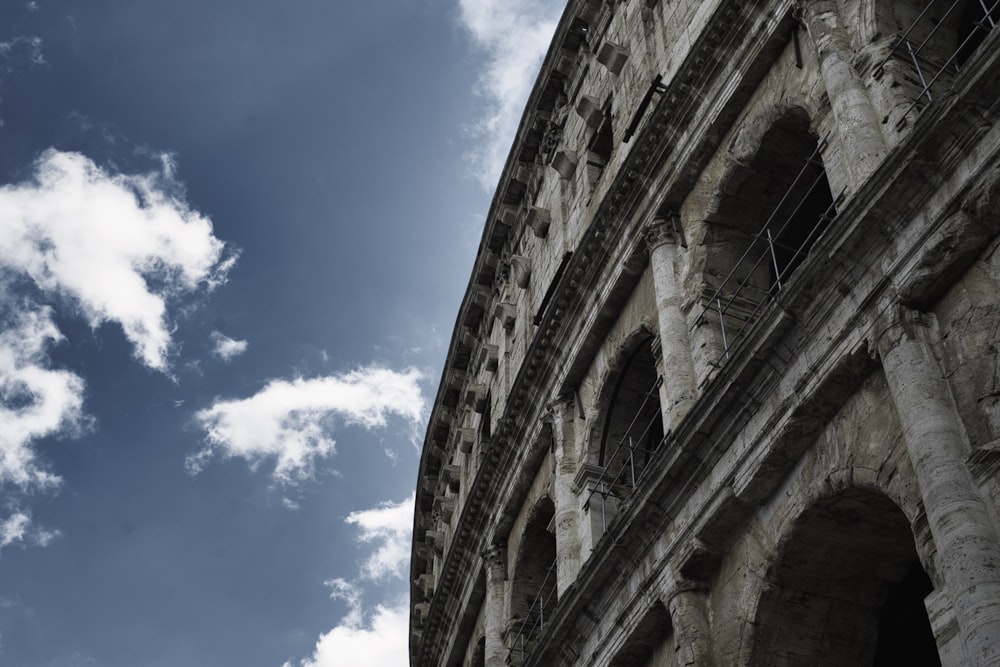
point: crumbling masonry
(724, 387)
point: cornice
(535, 379)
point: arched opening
(651, 643)
(848, 589)
(533, 589)
(774, 210)
(633, 426)
(976, 22)
(933, 40)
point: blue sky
(233, 238)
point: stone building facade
(724, 387)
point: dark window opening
(976, 22)
(534, 593)
(905, 636)
(633, 428)
(776, 208)
(599, 150)
(484, 422)
(846, 590)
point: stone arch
(628, 406)
(773, 195)
(650, 643)
(533, 578)
(846, 588)
(951, 24)
(772, 203)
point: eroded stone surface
(736, 378)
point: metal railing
(738, 302)
(534, 619)
(619, 483)
(929, 70)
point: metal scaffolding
(738, 302)
(929, 67)
(534, 619)
(618, 481)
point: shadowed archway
(847, 590)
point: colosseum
(724, 386)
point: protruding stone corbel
(420, 612)
(612, 56)
(450, 472)
(480, 295)
(521, 268)
(446, 506)
(539, 220)
(466, 439)
(564, 163)
(425, 582)
(489, 357)
(475, 397)
(455, 378)
(506, 313)
(565, 63)
(589, 109)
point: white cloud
(292, 422)
(227, 348)
(380, 637)
(13, 528)
(515, 35)
(28, 48)
(389, 526)
(17, 529)
(378, 641)
(117, 246)
(35, 401)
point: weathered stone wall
(826, 455)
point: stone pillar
(567, 502)
(967, 543)
(495, 563)
(598, 509)
(858, 127)
(679, 389)
(688, 607)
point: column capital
(899, 324)
(561, 406)
(495, 561)
(664, 230)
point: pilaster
(858, 127)
(968, 548)
(688, 607)
(679, 388)
(567, 501)
(495, 564)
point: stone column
(858, 127)
(688, 607)
(567, 502)
(679, 388)
(495, 563)
(967, 543)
